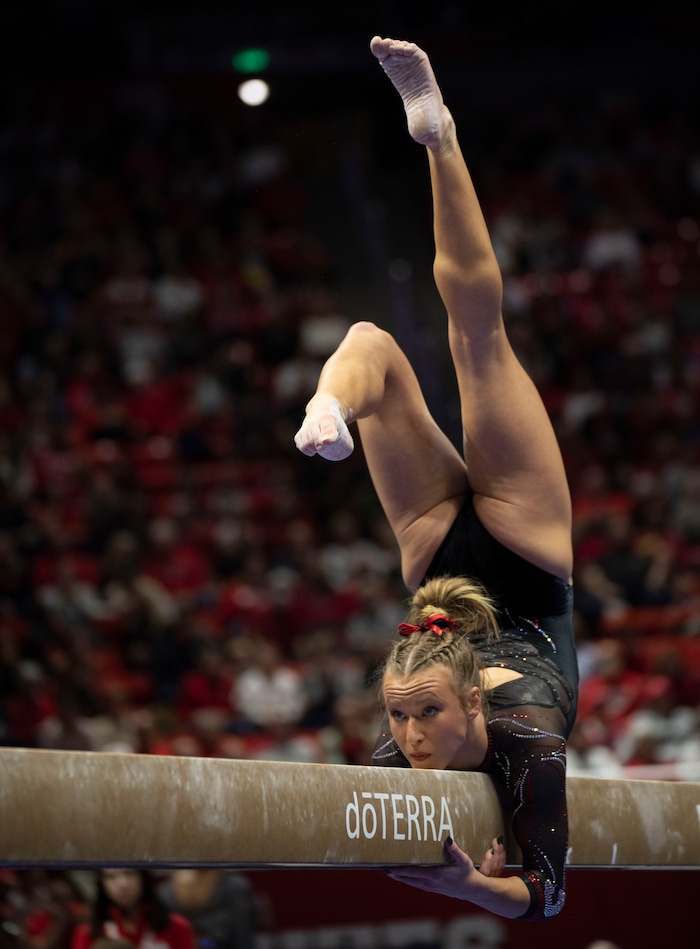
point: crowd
(118, 908)
(174, 578)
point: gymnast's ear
(473, 701)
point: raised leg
(514, 462)
(418, 475)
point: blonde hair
(470, 609)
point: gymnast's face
(430, 724)
(123, 887)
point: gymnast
(482, 676)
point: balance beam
(67, 809)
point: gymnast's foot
(408, 67)
(324, 432)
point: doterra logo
(401, 816)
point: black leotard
(528, 718)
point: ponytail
(463, 600)
(443, 614)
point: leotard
(528, 718)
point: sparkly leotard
(528, 718)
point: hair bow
(437, 623)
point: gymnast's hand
(494, 860)
(455, 879)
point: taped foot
(409, 69)
(325, 433)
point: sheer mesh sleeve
(528, 761)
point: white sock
(325, 433)
(410, 71)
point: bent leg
(514, 462)
(419, 476)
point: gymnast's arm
(536, 893)
(537, 783)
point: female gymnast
(483, 675)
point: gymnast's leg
(419, 476)
(514, 463)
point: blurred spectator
(630, 569)
(30, 703)
(379, 611)
(176, 290)
(269, 692)
(243, 599)
(67, 729)
(40, 908)
(220, 905)
(72, 596)
(282, 741)
(685, 516)
(662, 731)
(348, 554)
(612, 242)
(178, 563)
(141, 602)
(613, 691)
(329, 670)
(356, 721)
(638, 560)
(295, 379)
(126, 905)
(209, 684)
(588, 752)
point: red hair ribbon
(437, 623)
